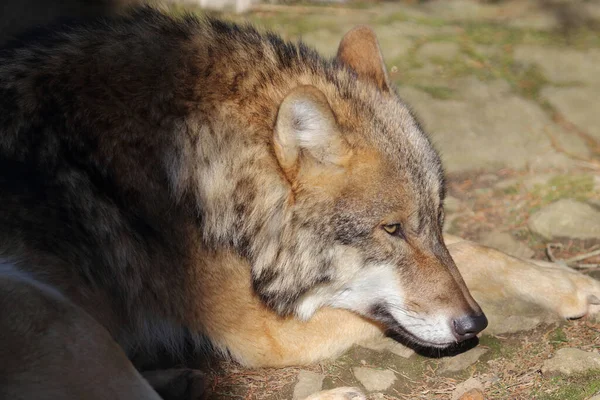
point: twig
(582, 257)
(549, 247)
(559, 148)
(587, 266)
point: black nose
(468, 326)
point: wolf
(162, 175)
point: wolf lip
(397, 332)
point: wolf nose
(468, 326)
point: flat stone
(308, 383)
(374, 379)
(466, 387)
(578, 105)
(566, 218)
(510, 314)
(517, 323)
(473, 394)
(467, 131)
(562, 65)
(473, 89)
(462, 361)
(387, 344)
(439, 50)
(569, 361)
(400, 350)
(503, 241)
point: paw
(575, 295)
(341, 393)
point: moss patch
(578, 387)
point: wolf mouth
(399, 333)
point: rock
(467, 130)
(374, 379)
(507, 313)
(566, 218)
(439, 50)
(400, 350)
(505, 242)
(578, 105)
(516, 323)
(387, 344)
(308, 383)
(473, 394)
(473, 89)
(569, 361)
(462, 361)
(562, 65)
(465, 387)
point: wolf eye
(394, 230)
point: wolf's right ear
(305, 123)
(359, 49)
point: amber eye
(394, 230)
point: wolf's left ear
(306, 124)
(360, 51)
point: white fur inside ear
(309, 124)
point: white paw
(575, 295)
(341, 393)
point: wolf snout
(468, 326)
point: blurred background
(507, 89)
(509, 92)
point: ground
(509, 93)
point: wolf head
(340, 201)
(367, 192)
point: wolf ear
(305, 122)
(360, 51)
